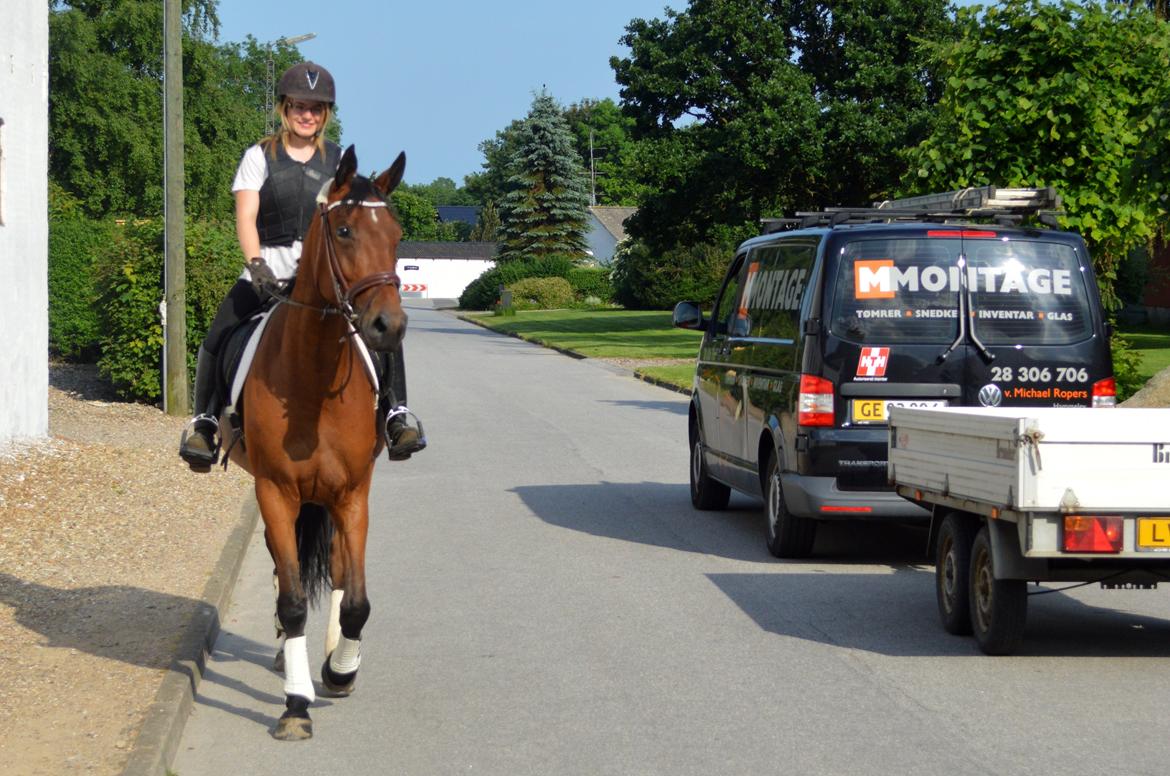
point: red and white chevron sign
(414, 288)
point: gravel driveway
(107, 543)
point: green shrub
(483, 292)
(129, 283)
(75, 243)
(1126, 368)
(541, 294)
(591, 282)
(643, 280)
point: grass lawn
(637, 334)
(601, 333)
(1153, 345)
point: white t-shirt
(250, 176)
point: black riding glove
(263, 279)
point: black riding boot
(199, 445)
(402, 439)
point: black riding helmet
(307, 81)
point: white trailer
(1042, 494)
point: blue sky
(435, 78)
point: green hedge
(75, 244)
(128, 278)
(644, 280)
(483, 292)
(591, 282)
(541, 294)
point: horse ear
(390, 179)
(345, 168)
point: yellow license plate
(869, 410)
(1154, 534)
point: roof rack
(1006, 207)
(981, 198)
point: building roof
(468, 214)
(613, 218)
(413, 249)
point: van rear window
(907, 290)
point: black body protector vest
(288, 197)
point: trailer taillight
(815, 405)
(1105, 393)
(1085, 533)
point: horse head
(355, 249)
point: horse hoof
(293, 729)
(339, 685)
(278, 661)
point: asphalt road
(545, 601)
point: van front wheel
(706, 493)
(788, 536)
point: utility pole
(270, 92)
(174, 314)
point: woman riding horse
(275, 189)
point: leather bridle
(346, 293)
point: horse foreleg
(339, 671)
(291, 610)
(337, 582)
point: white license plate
(877, 410)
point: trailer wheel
(952, 570)
(999, 607)
(706, 493)
(788, 536)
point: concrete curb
(574, 354)
(158, 740)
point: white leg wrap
(347, 657)
(333, 630)
(297, 680)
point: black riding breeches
(241, 302)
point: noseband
(346, 293)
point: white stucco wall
(601, 243)
(443, 278)
(24, 231)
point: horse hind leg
(339, 671)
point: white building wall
(24, 225)
(442, 278)
(602, 243)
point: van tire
(999, 607)
(706, 493)
(787, 536)
(952, 572)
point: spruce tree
(544, 211)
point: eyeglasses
(316, 108)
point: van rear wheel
(788, 536)
(706, 493)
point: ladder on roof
(986, 199)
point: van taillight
(971, 234)
(1105, 393)
(815, 407)
(1083, 533)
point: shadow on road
(675, 407)
(895, 614)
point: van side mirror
(688, 315)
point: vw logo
(990, 395)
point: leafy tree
(544, 212)
(1059, 94)
(442, 191)
(105, 104)
(744, 108)
(417, 216)
(492, 184)
(603, 136)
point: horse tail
(314, 538)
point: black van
(816, 332)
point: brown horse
(310, 425)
